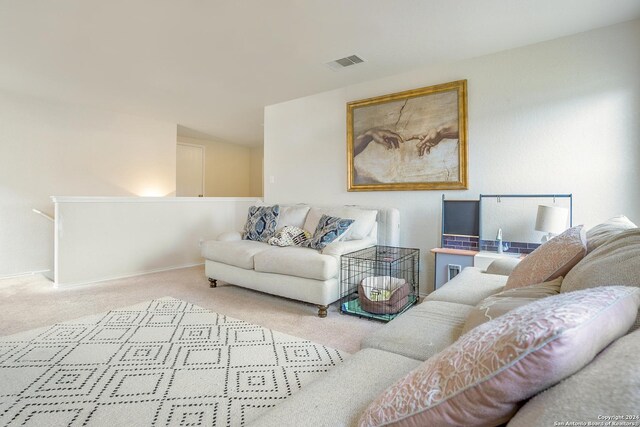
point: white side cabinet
(450, 262)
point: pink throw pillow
(551, 260)
(482, 378)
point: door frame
(204, 156)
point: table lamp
(551, 220)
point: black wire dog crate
(379, 282)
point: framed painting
(413, 140)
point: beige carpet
(30, 302)
(163, 362)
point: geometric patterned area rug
(164, 362)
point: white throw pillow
(364, 221)
(313, 219)
(293, 216)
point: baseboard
(125, 276)
(26, 273)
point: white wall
(256, 170)
(106, 238)
(557, 117)
(231, 170)
(50, 148)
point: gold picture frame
(412, 140)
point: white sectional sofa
(606, 390)
(295, 272)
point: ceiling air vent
(341, 63)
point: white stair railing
(49, 217)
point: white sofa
(609, 386)
(294, 272)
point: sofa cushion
(505, 301)
(422, 331)
(599, 234)
(261, 223)
(609, 385)
(482, 378)
(339, 397)
(238, 253)
(553, 259)
(469, 287)
(329, 229)
(313, 218)
(339, 248)
(616, 262)
(296, 261)
(292, 216)
(364, 220)
(503, 266)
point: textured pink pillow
(481, 378)
(551, 260)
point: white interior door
(190, 170)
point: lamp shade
(551, 219)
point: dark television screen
(461, 217)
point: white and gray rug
(164, 362)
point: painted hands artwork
(384, 137)
(433, 137)
(390, 139)
(412, 140)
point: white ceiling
(212, 65)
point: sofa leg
(322, 310)
(213, 283)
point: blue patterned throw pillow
(261, 223)
(329, 229)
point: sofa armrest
(469, 287)
(503, 266)
(229, 236)
(337, 249)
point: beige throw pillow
(505, 301)
(551, 260)
(599, 234)
(616, 262)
